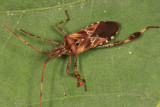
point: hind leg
(130, 38)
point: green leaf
(120, 76)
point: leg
(68, 18)
(25, 41)
(68, 65)
(76, 73)
(42, 80)
(78, 76)
(46, 40)
(132, 37)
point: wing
(106, 29)
(94, 35)
(86, 32)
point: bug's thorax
(69, 45)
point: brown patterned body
(91, 36)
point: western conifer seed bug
(96, 35)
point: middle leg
(78, 76)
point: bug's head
(57, 52)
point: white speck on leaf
(130, 52)
(105, 11)
(7, 12)
(82, 5)
(118, 95)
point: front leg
(46, 40)
(45, 53)
(64, 21)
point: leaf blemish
(130, 52)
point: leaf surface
(120, 76)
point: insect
(96, 35)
